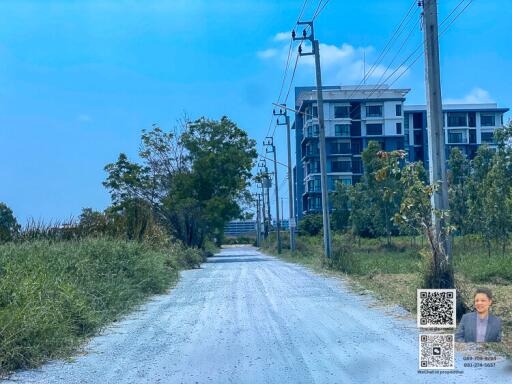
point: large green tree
(194, 178)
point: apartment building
(467, 126)
(355, 116)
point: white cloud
(345, 64)
(476, 96)
(267, 53)
(282, 36)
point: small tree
(340, 199)
(416, 212)
(311, 224)
(458, 175)
(9, 227)
(494, 194)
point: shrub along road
(245, 317)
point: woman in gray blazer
(480, 326)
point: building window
(315, 111)
(456, 137)
(487, 120)
(342, 130)
(340, 148)
(398, 128)
(357, 165)
(313, 167)
(398, 108)
(457, 119)
(374, 129)
(332, 180)
(488, 137)
(356, 147)
(418, 138)
(315, 203)
(472, 119)
(417, 120)
(314, 185)
(374, 111)
(472, 136)
(313, 131)
(341, 166)
(355, 128)
(312, 149)
(341, 112)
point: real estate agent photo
(480, 326)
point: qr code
(437, 351)
(436, 308)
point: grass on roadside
(55, 294)
(394, 271)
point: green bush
(53, 294)
(311, 224)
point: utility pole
(282, 211)
(291, 220)
(269, 142)
(435, 123)
(323, 156)
(268, 183)
(264, 185)
(258, 228)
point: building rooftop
(350, 92)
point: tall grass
(355, 256)
(55, 293)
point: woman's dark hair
(485, 291)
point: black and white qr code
(436, 308)
(437, 351)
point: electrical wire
(422, 44)
(386, 49)
(285, 75)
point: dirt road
(249, 318)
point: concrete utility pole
(435, 122)
(258, 228)
(291, 220)
(269, 142)
(323, 155)
(264, 182)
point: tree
(311, 224)
(492, 205)
(458, 175)
(375, 199)
(340, 199)
(480, 167)
(194, 179)
(9, 227)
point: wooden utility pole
(323, 154)
(435, 124)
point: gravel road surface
(245, 317)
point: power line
(404, 43)
(417, 48)
(385, 50)
(285, 75)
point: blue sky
(79, 80)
